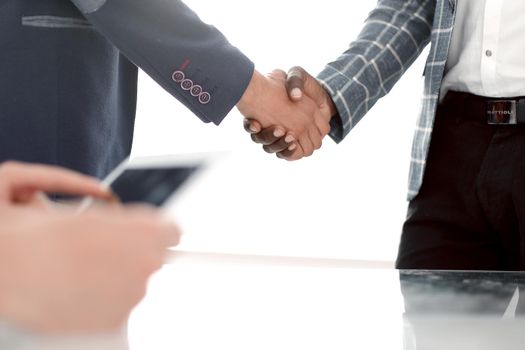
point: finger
(314, 131)
(314, 141)
(155, 223)
(316, 138)
(325, 128)
(170, 236)
(295, 82)
(269, 135)
(277, 74)
(21, 180)
(306, 145)
(291, 155)
(279, 146)
(287, 142)
(290, 139)
(252, 126)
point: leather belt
(496, 111)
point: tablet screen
(150, 185)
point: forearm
(164, 37)
(393, 36)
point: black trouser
(470, 211)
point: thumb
(295, 81)
(300, 82)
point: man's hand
(25, 184)
(299, 85)
(67, 273)
(266, 101)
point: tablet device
(153, 180)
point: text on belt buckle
(501, 112)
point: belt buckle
(501, 112)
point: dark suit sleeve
(193, 61)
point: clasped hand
(289, 114)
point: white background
(346, 201)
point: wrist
(248, 100)
(328, 107)
(331, 106)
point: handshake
(288, 113)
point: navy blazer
(68, 76)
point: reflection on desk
(194, 304)
(463, 310)
(227, 305)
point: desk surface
(308, 304)
(282, 305)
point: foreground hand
(266, 101)
(68, 273)
(298, 84)
(25, 184)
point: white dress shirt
(487, 52)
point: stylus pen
(89, 201)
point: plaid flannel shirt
(393, 36)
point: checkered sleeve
(394, 35)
